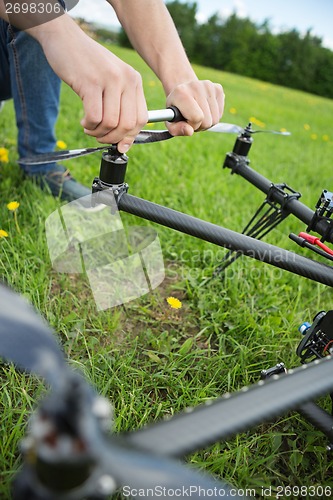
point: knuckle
(132, 77)
(94, 82)
(208, 83)
(143, 117)
(91, 124)
(129, 126)
(138, 78)
(219, 90)
(210, 88)
(207, 123)
(92, 121)
(198, 116)
(181, 90)
(116, 73)
(110, 123)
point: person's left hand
(201, 102)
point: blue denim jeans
(27, 78)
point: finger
(194, 113)
(210, 98)
(184, 99)
(220, 99)
(207, 105)
(180, 129)
(117, 132)
(110, 119)
(142, 110)
(191, 110)
(214, 111)
(207, 98)
(215, 99)
(133, 115)
(93, 109)
(141, 115)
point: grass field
(151, 360)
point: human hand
(115, 109)
(115, 106)
(201, 102)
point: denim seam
(20, 88)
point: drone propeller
(144, 137)
(229, 128)
(171, 114)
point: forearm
(53, 34)
(151, 30)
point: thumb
(180, 129)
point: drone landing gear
(272, 211)
(269, 215)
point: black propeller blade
(55, 156)
(171, 114)
(144, 137)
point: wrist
(60, 26)
(173, 81)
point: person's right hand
(115, 108)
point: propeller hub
(244, 142)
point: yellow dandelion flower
(3, 233)
(314, 137)
(61, 145)
(13, 205)
(174, 303)
(257, 122)
(152, 83)
(306, 126)
(233, 111)
(283, 130)
(4, 155)
(326, 138)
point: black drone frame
(94, 464)
(111, 184)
